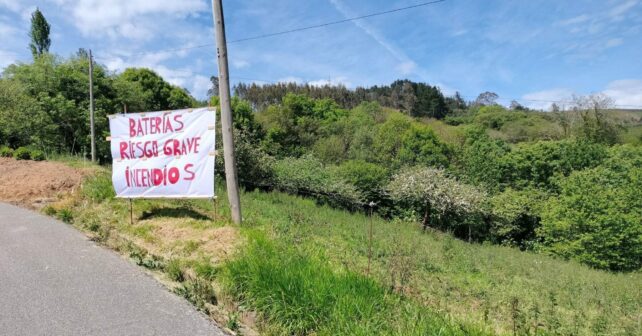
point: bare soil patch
(33, 184)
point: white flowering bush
(436, 193)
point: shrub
(254, 164)
(99, 187)
(515, 217)
(495, 116)
(434, 193)
(66, 215)
(536, 164)
(308, 176)
(368, 178)
(533, 127)
(6, 152)
(37, 155)
(481, 159)
(420, 145)
(597, 218)
(22, 153)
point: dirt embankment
(33, 184)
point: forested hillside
(566, 183)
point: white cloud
(134, 31)
(625, 92)
(135, 19)
(618, 10)
(341, 80)
(407, 67)
(6, 30)
(26, 12)
(574, 20)
(240, 64)
(11, 5)
(6, 58)
(195, 83)
(199, 86)
(614, 42)
(542, 100)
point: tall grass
(303, 270)
(300, 294)
(498, 287)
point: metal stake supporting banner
(215, 203)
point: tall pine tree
(39, 34)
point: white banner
(166, 154)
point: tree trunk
(426, 221)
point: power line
(331, 23)
(170, 50)
(570, 102)
(239, 78)
(293, 30)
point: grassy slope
(422, 282)
(486, 285)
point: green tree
(597, 218)
(481, 159)
(155, 93)
(39, 34)
(387, 141)
(420, 145)
(294, 126)
(515, 217)
(593, 123)
(536, 164)
(59, 89)
(22, 120)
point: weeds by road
(298, 268)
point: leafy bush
(22, 153)
(481, 159)
(531, 128)
(369, 178)
(420, 145)
(536, 164)
(308, 176)
(515, 217)
(254, 164)
(495, 116)
(37, 155)
(597, 218)
(6, 151)
(66, 215)
(458, 120)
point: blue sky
(532, 51)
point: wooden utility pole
(91, 107)
(226, 113)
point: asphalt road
(54, 281)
